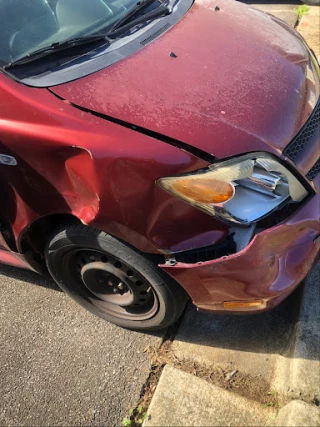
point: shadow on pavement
(28, 276)
(269, 333)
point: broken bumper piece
(262, 274)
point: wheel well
(33, 241)
(36, 235)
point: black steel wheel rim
(110, 284)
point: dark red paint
(238, 83)
(234, 87)
(70, 162)
(270, 268)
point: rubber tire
(171, 296)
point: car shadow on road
(16, 275)
(28, 276)
(272, 332)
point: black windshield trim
(140, 5)
(54, 48)
(161, 10)
(99, 58)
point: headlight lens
(241, 190)
(204, 190)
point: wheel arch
(33, 238)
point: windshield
(28, 25)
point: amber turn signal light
(204, 190)
(243, 304)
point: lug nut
(121, 286)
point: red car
(155, 151)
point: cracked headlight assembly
(239, 191)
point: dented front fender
(269, 268)
(71, 162)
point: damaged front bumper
(267, 270)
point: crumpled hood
(242, 81)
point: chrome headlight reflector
(240, 191)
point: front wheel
(112, 280)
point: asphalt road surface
(59, 364)
(280, 8)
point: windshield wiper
(117, 28)
(55, 47)
(120, 26)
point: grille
(313, 172)
(294, 148)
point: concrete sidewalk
(309, 28)
(281, 9)
(273, 355)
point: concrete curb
(298, 414)
(299, 371)
(285, 359)
(182, 399)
